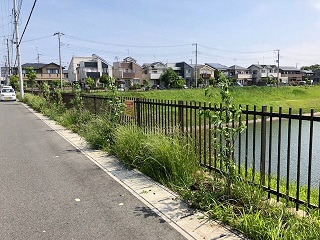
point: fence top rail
(211, 107)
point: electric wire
(34, 4)
(232, 51)
(35, 39)
(122, 45)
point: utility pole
(38, 55)
(59, 34)
(9, 67)
(278, 66)
(18, 49)
(195, 68)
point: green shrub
(75, 120)
(169, 160)
(99, 133)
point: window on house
(52, 71)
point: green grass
(304, 97)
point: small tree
(169, 76)
(105, 80)
(90, 82)
(77, 101)
(56, 83)
(223, 119)
(212, 81)
(178, 83)
(31, 75)
(200, 81)
(116, 106)
(14, 82)
(146, 83)
(45, 91)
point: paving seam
(191, 224)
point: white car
(8, 94)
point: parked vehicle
(8, 94)
(159, 87)
(121, 89)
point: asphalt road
(49, 190)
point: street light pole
(278, 60)
(195, 68)
(59, 34)
(18, 50)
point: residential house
(73, 71)
(306, 75)
(185, 71)
(152, 72)
(127, 72)
(293, 74)
(205, 72)
(94, 67)
(316, 76)
(219, 67)
(240, 74)
(260, 74)
(45, 72)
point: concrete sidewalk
(165, 203)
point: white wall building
(82, 67)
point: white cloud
(316, 4)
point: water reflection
(280, 150)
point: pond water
(253, 153)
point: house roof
(217, 66)
(185, 64)
(288, 68)
(95, 56)
(198, 66)
(38, 65)
(268, 66)
(263, 66)
(236, 67)
(255, 65)
(130, 59)
(307, 71)
(34, 65)
(145, 65)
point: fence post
(95, 104)
(263, 145)
(138, 111)
(180, 115)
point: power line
(34, 4)
(223, 50)
(121, 45)
(30, 40)
(297, 54)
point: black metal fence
(278, 150)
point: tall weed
(169, 160)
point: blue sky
(228, 32)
